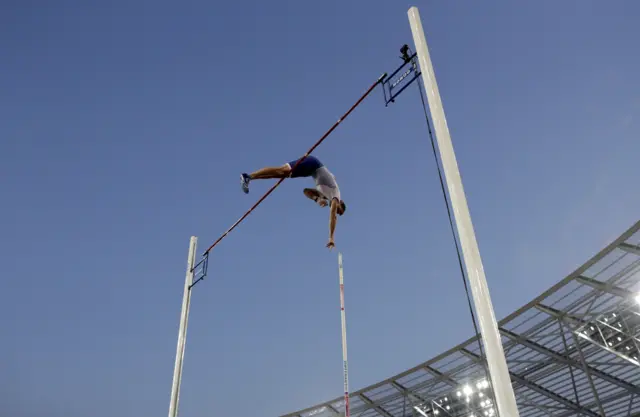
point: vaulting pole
(501, 382)
(345, 367)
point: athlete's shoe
(244, 181)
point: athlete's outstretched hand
(331, 244)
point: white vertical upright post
(345, 367)
(501, 382)
(182, 332)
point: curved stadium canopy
(572, 351)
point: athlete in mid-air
(326, 192)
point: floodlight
(420, 411)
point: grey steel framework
(572, 351)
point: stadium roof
(572, 351)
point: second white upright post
(501, 382)
(182, 332)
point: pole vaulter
(272, 189)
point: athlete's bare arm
(333, 219)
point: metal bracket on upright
(200, 270)
(395, 84)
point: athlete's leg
(263, 174)
(304, 168)
(314, 195)
(271, 172)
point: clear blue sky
(125, 126)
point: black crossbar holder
(395, 84)
(200, 270)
